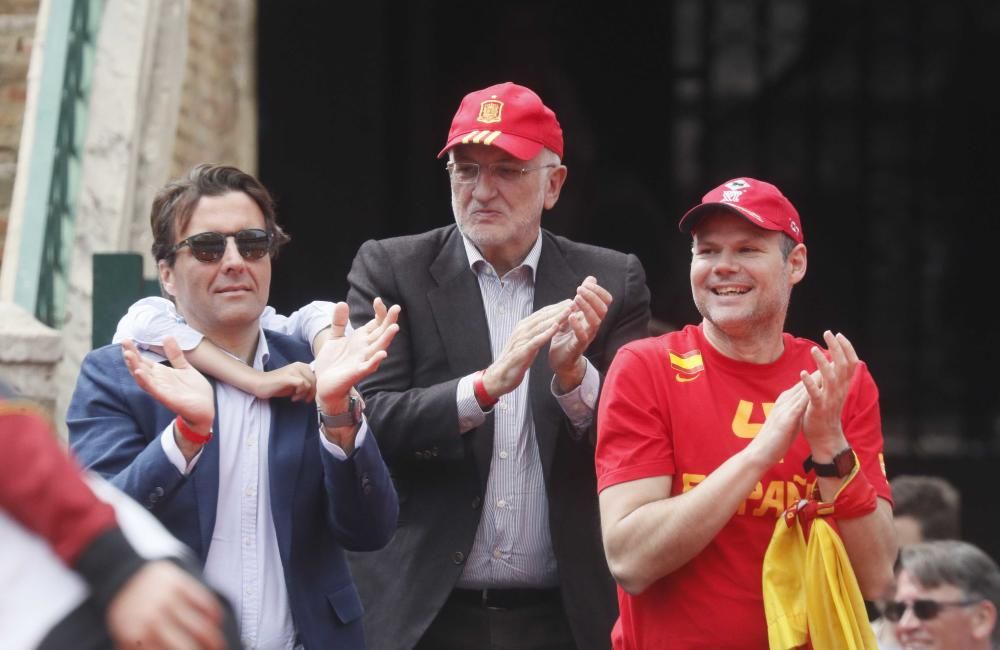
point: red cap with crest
(507, 116)
(760, 203)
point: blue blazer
(321, 506)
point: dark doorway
(874, 119)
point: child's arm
(296, 380)
(310, 323)
(150, 319)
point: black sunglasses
(925, 610)
(252, 243)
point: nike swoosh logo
(681, 378)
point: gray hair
(959, 564)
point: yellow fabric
(810, 591)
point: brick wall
(217, 121)
(17, 31)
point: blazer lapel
(457, 305)
(554, 281)
(206, 483)
(289, 433)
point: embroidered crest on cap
(735, 190)
(489, 111)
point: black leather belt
(505, 598)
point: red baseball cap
(760, 203)
(508, 116)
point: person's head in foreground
(947, 593)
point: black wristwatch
(841, 466)
(349, 418)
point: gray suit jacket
(440, 474)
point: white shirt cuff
(173, 452)
(470, 414)
(578, 404)
(336, 450)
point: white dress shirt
(513, 545)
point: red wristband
(190, 434)
(486, 401)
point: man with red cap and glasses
(699, 448)
(485, 406)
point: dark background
(877, 119)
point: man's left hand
(821, 424)
(590, 306)
(345, 358)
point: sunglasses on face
(924, 610)
(252, 243)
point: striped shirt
(513, 546)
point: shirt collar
(530, 260)
(263, 353)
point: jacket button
(458, 557)
(476, 502)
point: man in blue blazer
(268, 493)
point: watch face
(844, 462)
(350, 417)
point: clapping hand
(179, 386)
(346, 358)
(590, 306)
(828, 387)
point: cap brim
(520, 148)
(692, 216)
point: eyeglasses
(252, 243)
(464, 173)
(925, 610)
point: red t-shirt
(674, 406)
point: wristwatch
(349, 418)
(840, 467)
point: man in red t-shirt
(719, 407)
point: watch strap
(349, 418)
(839, 467)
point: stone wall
(17, 31)
(218, 113)
(29, 352)
(173, 85)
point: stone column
(29, 352)
(137, 80)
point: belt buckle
(486, 601)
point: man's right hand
(782, 424)
(180, 388)
(529, 336)
(163, 607)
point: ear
(166, 276)
(984, 619)
(798, 260)
(554, 186)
